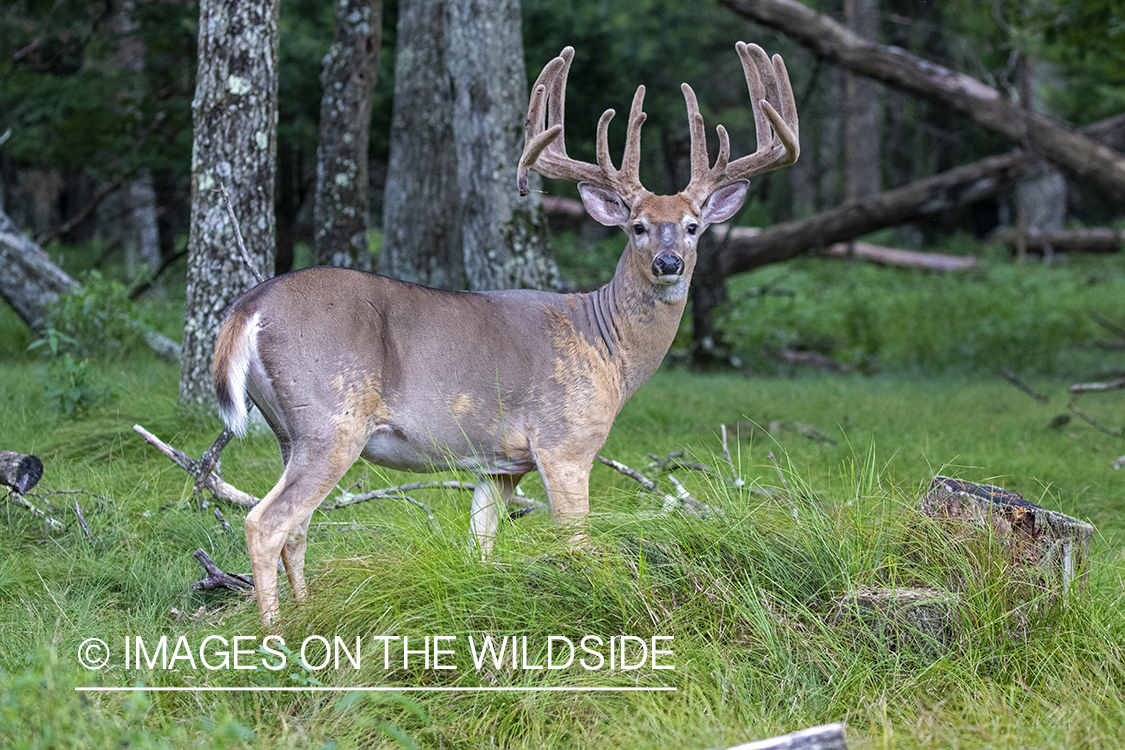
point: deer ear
(724, 202)
(606, 206)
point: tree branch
(899, 69)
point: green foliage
(861, 314)
(70, 100)
(72, 387)
(99, 320)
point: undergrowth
(747, 602)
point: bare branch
(1011, 378)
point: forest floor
(742, 607)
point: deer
(342, 363)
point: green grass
(749, 596)
(1031, 318)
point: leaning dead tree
(1065, 148)
(30, 282)
(856, 218)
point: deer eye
(638, 229)
(692, 228)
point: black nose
(667, 265)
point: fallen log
(891, 256)
(825, 737)
(861, 216)
(20, 471)
(837, 44)
(30, 282)
(1095, 240)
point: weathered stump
(1034, 538)
(915, 620)
(826, 737)
(20, 471)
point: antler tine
(777, 133)
(545, 147)
(630, 174)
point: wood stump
(20, 471)
(1054, 546)
(918, 620)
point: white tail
(343, 363)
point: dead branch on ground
(217, 579)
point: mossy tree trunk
(234, 114)
(348, 79)
(453, 217)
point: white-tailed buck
(344, 364)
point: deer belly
(390, 447)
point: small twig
(433, 521)
(1109, 325)
(210, 457)
(633, 474)
(398, 491)
(21, 501)
(1118, 433)
(238, 236)
(671, 462)
(1011, 378)
(217, 579)
(682, 499)
(210, 481)
(1113, 385)
(82, 520)
(222, 520)
(779, 474)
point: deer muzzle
(668, 268)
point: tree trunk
(421, 208)
(504, 236)
(708, 295)
(234, 114)
(861, 109)
(135, 224)
(1065, 148)
(340, 209)
(452, 215)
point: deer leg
(293, 557)
(568, 489)
(491, 495)
(310, 475)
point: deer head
(663, 230)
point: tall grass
(749, 596)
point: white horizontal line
(368, 689)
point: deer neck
(636, 320)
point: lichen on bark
(234, 116)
